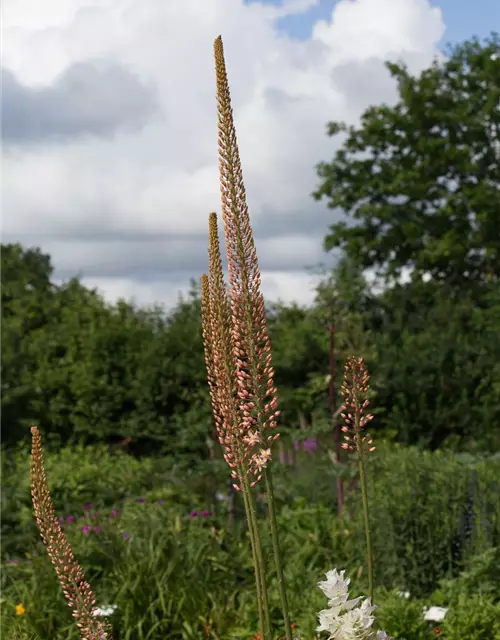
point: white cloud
(154, 186)
(363, 29)
(289, 285)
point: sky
(109, 139)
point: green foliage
(481, 575)
(26, 297)
(177, 573)
(422, 176)
(344, 291)
(87, 371)
(470, 616)
(300, 346)
(437, 373)
(98, 372)
(77, 476)
(430, 512)
(402, 617)
(472, 599)
(473, 617)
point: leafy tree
(110, 372)
(87, 370)
(83, 369)
(423, 177)
(432, 353)
(300, 357)
(172, 374)
(84, 365)
(344, 287)
(27, 293)
(26, 277)
(437, 377)
(301, 339)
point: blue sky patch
(463, 18)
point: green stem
(258, 559)
(277, 554)
(364, 497)
(255, 564)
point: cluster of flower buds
(354, 391)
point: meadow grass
(166, 569)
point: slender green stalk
(260, 574)
(277, 553)
(256, 564)
(366, 517)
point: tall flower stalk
(219, 357)
(354, 392)
(77, 590)
(237, 345)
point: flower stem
(366, 516)
(258, 560)
(277, 553)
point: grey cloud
(363, 83)
(313, 220)
(89, 98)
(278, 99)
(310, 221)
(151, 257)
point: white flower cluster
(106, 610)
(344, 620)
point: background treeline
(88, 370)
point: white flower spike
(344, 620)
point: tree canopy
(83, 368)
(422, 178)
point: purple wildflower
(205, 513)
(114, 513)
(194, 514)
(70, 518)
(86, 528)
(87, 507)
(97, 528)
(160, 501)
(141, 500)
(126, 536)
(310, 444)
